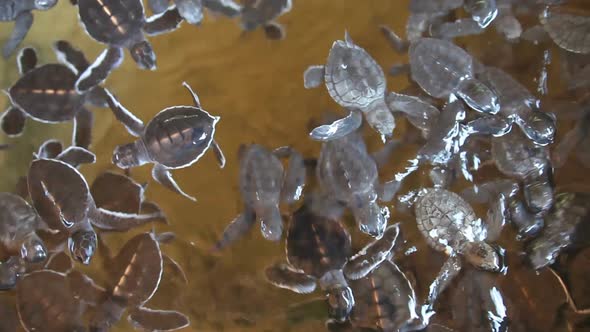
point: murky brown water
(256, 86)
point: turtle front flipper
(274, 31)
(13, 121)
(283, 276)
(294, 179)
(50, 149)
(98, 72)
(83, 128)
(158, 6)
(60, 262)
(157, 320)
(165, 22)
(133, 124)
(228, 8)
(486, 125)
(420, 113)
(120, 221)
(447, 273)
(162, 174)
(70, 56)
(236, 229)
(22, 25)
(75, 155)
(538, 126)
(26, 60)
(338, 128)
(190, 10)
(313, 76)
(372, 255)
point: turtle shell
(261, 175)
(59, 193)
(512, 96)
(353, 78)
(316, 244)
(517, 156)
(137, 270)
(17, 220)
(112, 22)
(438, 66)
(568, 29)
(447, 221)
(178, 136)
(47, 94)
(345, 168)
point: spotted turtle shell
(517, 156)
(17, 220)
(47, 94)
(353, 78)
(438, 66)
(112, 22)
(68, 202)
(261, 175)
(178, 136)
(446, 220)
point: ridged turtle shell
(112, 22)
(261, 175)
(516, 156)
(17, 220)
(569, 30)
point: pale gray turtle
(264, 184)
(61, 196)
(443, 69)
(256, 13)
(20, 11)
(450, 225)
(46, 94)
(192, 11)
(568, 28)
(176, 137)
(135, 275)
(518, 105)
(576, 139)
(121, 24)
(318, 250)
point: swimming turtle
(20, 11)
(61, 196)
(450, 225)
(135, 275)
(176, 137)
(46, 94)
(264, 184)
(256, 13)
(568, 28)
(575, 139)
(121, 24)
(192, 11)
(318, 250)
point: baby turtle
(61, 196)
(568, 29)
(263, 13)
(318, 249)
(20, 11)
(46, 94)
(135, 274)
(264, 184)
(192, 11)
(121, 24)
(576, 139)
(450, 225)
(176, 137)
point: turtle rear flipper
(98, 72)
(372, 255)
(75, 155)
(22, 25)
(26, 60)
(274, 31)
(13, 122)
(338, 128)
(283, 276)
(157, 320)
(161, 174)
(313, 76)
(447, 273)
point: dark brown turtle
(318, 250)
(135, 274)
(192, 11)
(256, 13)
(20, 11)
(62, 198)
(121, 24)
(46, 94)
(176, 137)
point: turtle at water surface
(176, 137)
(20, 11)
(192, 11)
(256, 13)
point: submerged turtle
(46, 94)
(318, 250)
(121, 24)
(20, 11)
(263, 13)
(568, 29)
(61, 196)
(192, 11)
(176, 137)
(264, 184)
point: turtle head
(371, 218)
(126, 156)
(482, 255)
(10, 271)
(143, 54)
(381, 119)
(82, 245)
(482, 11)
(340, 302)
(44, 4)
(33, 250)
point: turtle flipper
(294, 179)
(26, 60)
(133, 124)
(227, 8)
(338, 128)
(165, 22)
(447, 273)
(70, 56)
(97, 97)
(283, 276)
(236, 229)
(313, 76)
(13, 122)
(420, 113)
(157, 320)
(398, 44)
(486, 125)
(372, 255)
(161, 174)
(50, 149)
(158, 6)
(85, 288)
(98, 72)
(274, 31)
(218, 153)
(75, 155)
(60, 262)
(174, 266)
(83, 128)
(190, 10)
(22, 25)
(120, 221)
